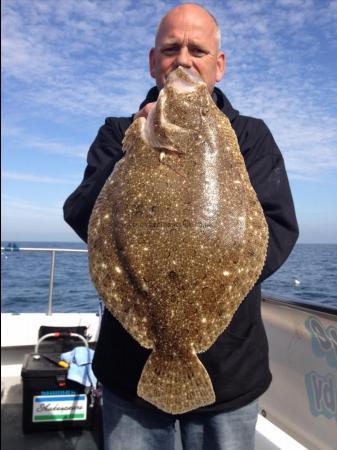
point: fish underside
(177, 239)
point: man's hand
(144, 112)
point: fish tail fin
(175, 384)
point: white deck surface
(268, 436)
(19, 335)
(22, 329)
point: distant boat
(297, 282)
(11, 247)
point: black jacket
(238, 361)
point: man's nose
(184, 58)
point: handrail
(56, 335)
(46, 249)
(302, 305)
(327, 309)
(53, 252)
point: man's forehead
(174, 38)
(194, 34)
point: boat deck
(285, 412)
(12, 437)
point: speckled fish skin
(177, 239)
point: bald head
(192, 8)
(188, 36)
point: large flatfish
(177, 239)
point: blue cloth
(80, 369)
(129, 426)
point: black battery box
(50, 400)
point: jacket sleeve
(269, 178)
(103, 154)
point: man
(237, 363)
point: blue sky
(68, 64)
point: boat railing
(265, 296)
(52, 252)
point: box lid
(42, 367)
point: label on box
(58, 408)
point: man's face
(187, 37)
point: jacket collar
(218, 96)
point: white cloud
(21, 139)
(79, 64)
(62, 61)
(40, 222)
(274, 72)
(16, 208)
(34, 178)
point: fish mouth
(181, 81)
(184, 80)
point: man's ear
(221, 63)
(152, 63)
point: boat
(298, 412)
(11, 247)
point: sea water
(308, 275)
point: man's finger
(144, 112)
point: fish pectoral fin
(175, 384)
